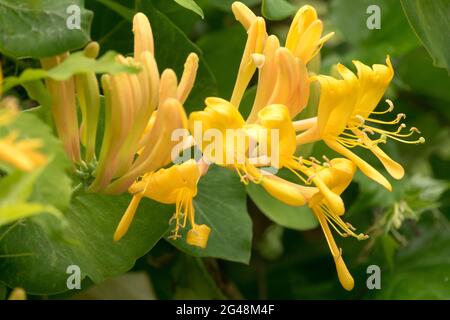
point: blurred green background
(409, 228)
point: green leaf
(29, 258)
(15, 190)
(430, 21)
(191, 5)
(40, 28)
(77, 63)
(221, 204)
(277, 9)
(12, 212)
(299, 218)
(421, 271)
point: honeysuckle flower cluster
(346, 119)
(144, 109)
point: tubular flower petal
(255, 43)
(156, 150)
(141, 112)
(88, 94)
(283, 76)
(64, 109)
(143, 36)
(305, 35)
(175, 185)
(243, 14)
(188, 78)
(345, 118)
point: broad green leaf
(422, 271)
(13, 212)
(277, 9)
(77, 63)
(29, 258)
(43, 28)
(226, 4)
(221, 204)
(191, 5)
(299, 218)
(430, 21)
(17, 187)
(15, 190)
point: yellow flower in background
(175, 185)
(17, 294)
(345, 120)
(22, 154)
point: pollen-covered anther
(310, 178)
(414, 129)
(391, 105)
(362, 236)
(360, 119)
(314, 160)
(368, 130)
(350, 226)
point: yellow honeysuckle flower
(142, 111)
(344, 117)
(283, 76)
(277, 117)
(221, 115)
(175, 185)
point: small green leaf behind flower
(75, 64)
(191, 5)
(277, 9)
